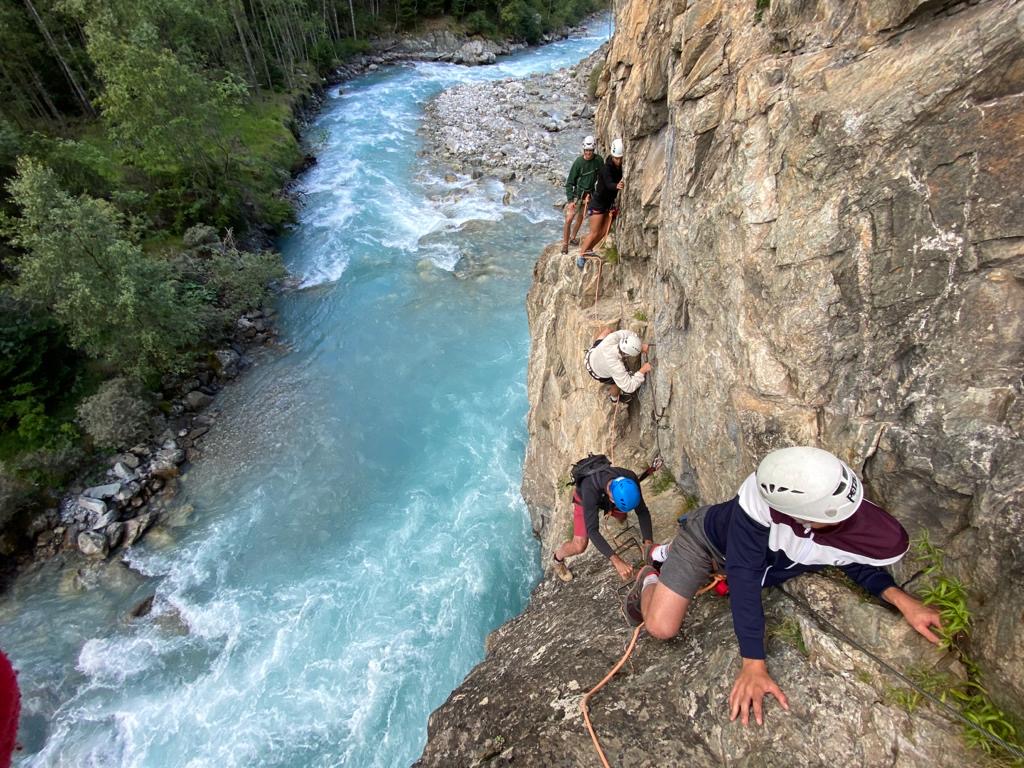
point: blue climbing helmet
(625, 493)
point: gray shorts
(691, 558)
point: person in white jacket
(606, 362)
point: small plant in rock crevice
(760, 6)
(969, 696)
(944, 592)
(662, 482)
(788, 631)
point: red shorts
(579, 525)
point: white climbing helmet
(809, 484)
(630, 344)
(588, 143)
(617, 148)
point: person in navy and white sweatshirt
(802, 510)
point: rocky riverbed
(513, 129)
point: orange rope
(599, 686)
(715, 579)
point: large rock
(197, 400)
(667, 706)
(93, 544)
(91, 505)
(102, 491)
(822, 220)
(226, 362)
(136, 527)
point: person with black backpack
(600, 486)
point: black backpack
(586, 467)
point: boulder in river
(93, 544)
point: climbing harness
(832, 628)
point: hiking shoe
(574, 241)
(580, 263)
(620, 398)
(565, 249)
(631, 602)
(562, 571)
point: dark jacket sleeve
(643, 516)
(871, 577)
(590, 493)
(571, 179)
(745, 563)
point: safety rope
(599, 686)
(715, 578)
(646, 358)
(828, 625)
(614, 430)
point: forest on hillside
(144, 146)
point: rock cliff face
(827, 204)
(823, 233)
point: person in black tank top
(602, 203)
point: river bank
(354, 528)
(114, 502)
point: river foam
(355, 528)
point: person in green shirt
(579, 184)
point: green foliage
(113, 302)
(906, 699)
(973, 702)
(662, 482)
(10, 144)
(117, 415)
(230, 280)
(968, 696)
(478, 23)
(522, 21)
(167, 119)
(788, 631)
(640, 316)
(760, 6)
(944, 592)
(349, 47)
(35, 362)
(611, 254)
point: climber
(600, 486)
(602, 202)
(802, 510)
(605, 361)
(579, 185)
